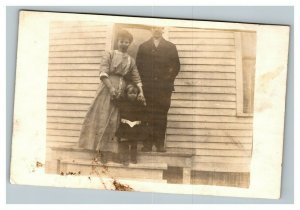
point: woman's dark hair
(123, 34)
(130, 88)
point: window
(245, 45)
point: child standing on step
(131, 128)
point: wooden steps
(152, 171)
(150, 166)
(171, 158)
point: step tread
(168, 153)
(156, 166)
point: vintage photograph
(169, 104)
(149, 104)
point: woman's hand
(141, 98)
(113, 93)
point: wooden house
(209, 134)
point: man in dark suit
(158, 64)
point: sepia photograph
(137, 104)
(169, 104)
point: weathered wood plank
(55, 48)
(211, 118)
(223, 152)
(186, 54)
(73, 107)
(205, 48)
(62, 139)
(211, 139)
(206, 75)
(201, 132)
(171, 124)
(67, 67)
(193, 29)
(217, 159)
(209, 61)
(205, 145)
(64, 126)
(176, 111)
(178, 89)
(221, 167)
(76, 54)
(200, 34)
(69, 100)
(69, 73)
(178, 81)
(75, 35)
(205, 82)
(61, 144)
(54, 42)
(201, 145)
(67, 80)
(207, 125)
(181, 75)
(84, 103)
(202, 111)
(203, 96)
(68, 93)
(88, 60)
(203, 104)
(63, 24)
(206, 68)
(197, 89)
(59, 113)
(175, 96)
(72, 87)
(55, 132)
(78, 120)
(78, 29)
(203, 41)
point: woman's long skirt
(102, 120)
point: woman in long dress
(102, 119)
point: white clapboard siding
(206, 68)
(78, 35)
(210, 139)
(205, 48)
(71, 48)
(207, 125)
(215, 61)
(208, 118)
(200, 34)
(183, 54)
(75, 51)
(205, 145)
(70, 66)
(205, 75)
(204, 96)
(76, 54)
(202, 118)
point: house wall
(202, 119)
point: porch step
(172, 157)
(175, 159)
(142, 171)
(72, 153)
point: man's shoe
(134, 161)
(161, 149)
(146, 149)
(103, 159)
(125, 163)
